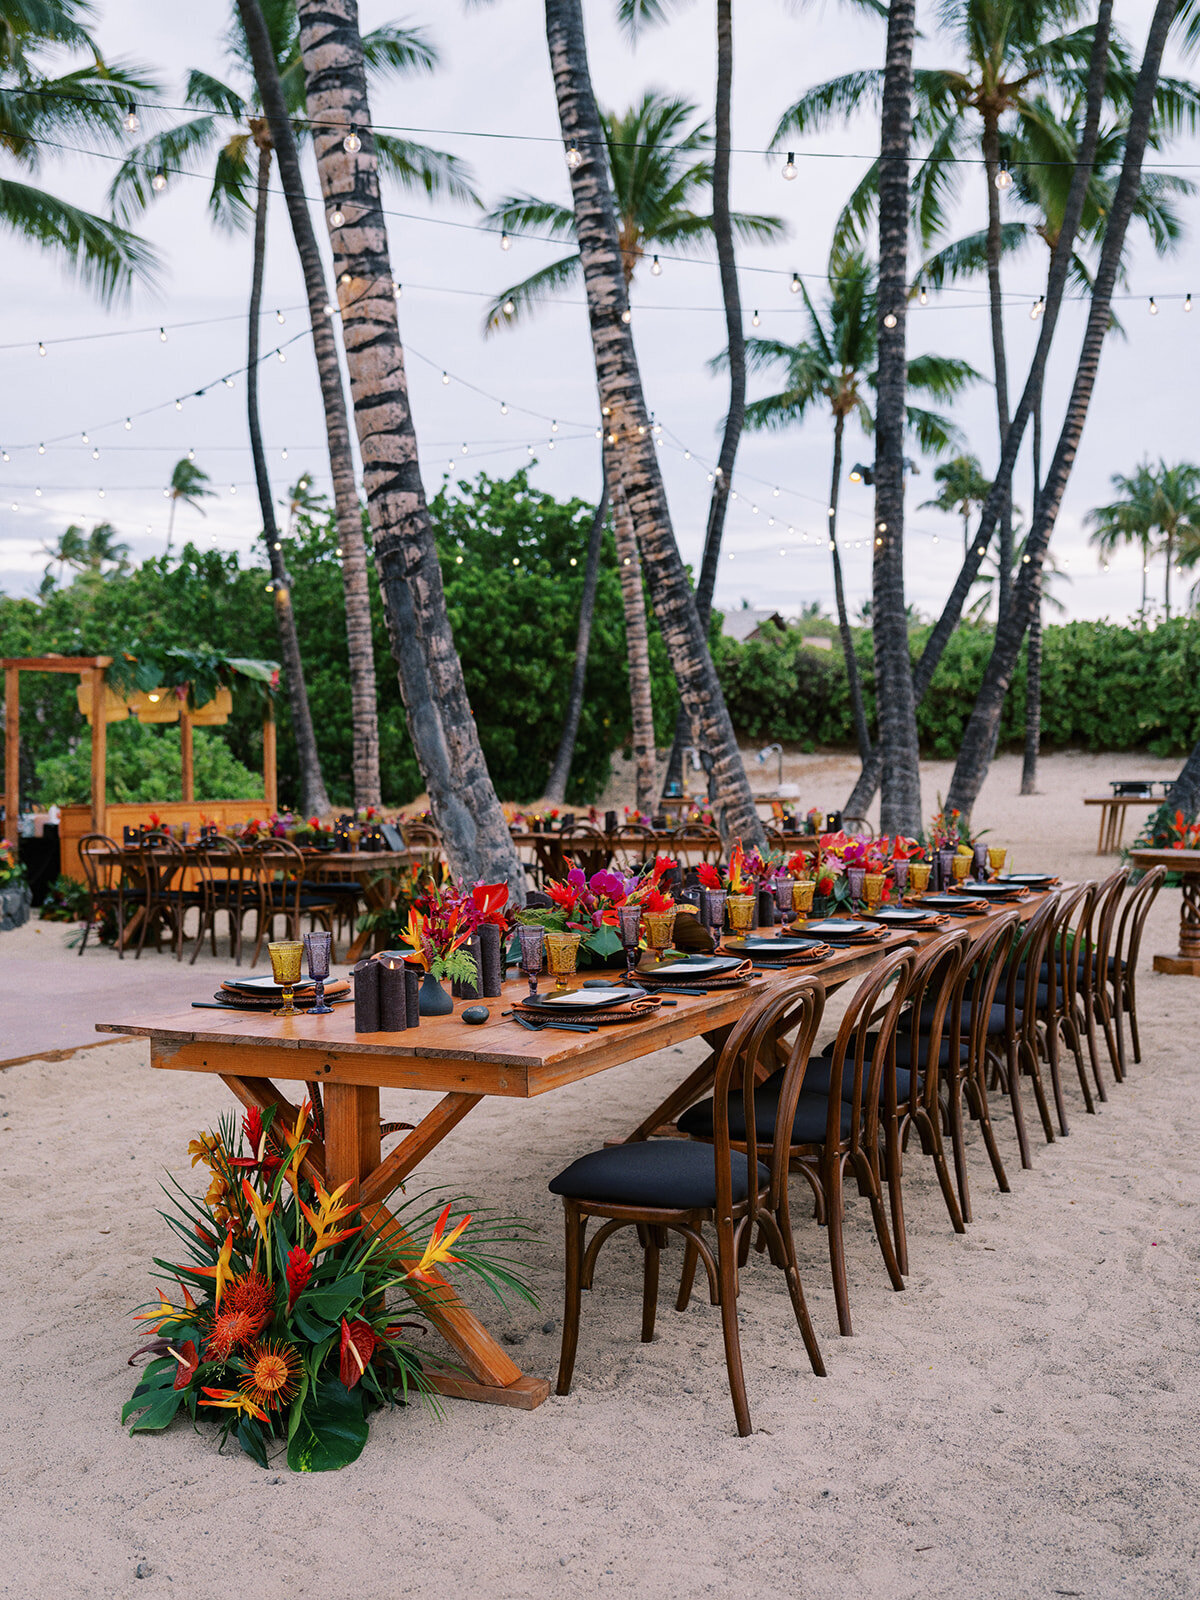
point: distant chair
(859, 826)
(632, 846)
(280, 867)
(696, 841)
(227, 883)
(1123, 967)
(106, 871)
(168, 899)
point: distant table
(1112, 816)
(1187, 864)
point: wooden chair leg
(576, 1225)
(1013, 1086)
(1054, 1059)
(1091, 1005)
(1033, 1066)
(869, 1177)
(895, 1166)
(649, 1284)
(791, 1275)
(931, 1135)
(687, 1277)
(727, 1275)
(977, 1094)
(958, 1144)
(834, 1214)
(1131, 1006)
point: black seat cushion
(808, 1125)
(332, 886)
(819, 1070)
(997, 1018)
(666, 1174)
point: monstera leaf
(332, 1429)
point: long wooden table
(462, 1064)
(1187, 864)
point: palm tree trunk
(1060, 260)
(313, 799)
(1185, 791)
(735, 339)
(171, 522)
(474, 833)
(1033, 652)
(991, 167)
(364, 709)
(861, 732)
(1170, 545)
(620, 386)
(556, 784)
(1145, 574)
(637, 648)
(971, 767)
(895, 705)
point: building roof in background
(747, 622)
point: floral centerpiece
(12, 872)
(588, 906)
(841, 850)
(949, 830)
(283, 1337)
(439, 924)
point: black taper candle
(366, 996)
(766, 909)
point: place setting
(286, 992)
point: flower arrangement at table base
(284, 1337)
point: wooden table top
(499, 1057)
(1177, 860)
(1123, 800)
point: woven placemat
(635, 1011)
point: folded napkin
(699, 980)
(237, 1000)
(818, 951)
(969, 904)
(304, 990)
(623, 1011)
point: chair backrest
(632, 845)
(164, 862)
(278, 859)
(859, 826)
(1069, 937)
(980, 980)
(934, 987)
(1104, 925)
(103, 863)
(1025, 968)
(865, 1044)
(1133, 918)
(792, 1007)
(696, 841)
(223, 861)
(420, 833)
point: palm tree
(88, 104)
(1163, 501)
(637, 646)
(979, 736)
(190, 484)
(238, 137)
(964, 489)
(560, 770)
(623, 407)
(93, 555)
(1033, 670)
(659, 165)
(472, 826)
(834, 368)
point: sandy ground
(1023, 1421)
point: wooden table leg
(692, 1087)
(1187, 962)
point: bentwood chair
(632, 847)
(837, 1124)
(1014, 1046)
(694, 842)
(736, 1183)
(282, 892)
(1058, 995)
(226, 883)
(168, 899)
(1095, 966)
(110, 885)
(1123, 975)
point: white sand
(1023, 1421)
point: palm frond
(103, 256)
(821, 105)
(392, 50)
(932, 431)
(417, 166)
(967, 257)
(130, 193)
(213, 95)
(525, 213)
(229, 204)
(530, 293)
(941, 377)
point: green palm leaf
(100, 254)
(417, 166)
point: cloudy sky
(492, 104)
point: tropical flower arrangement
(949, 830)
(1165, 829)
(11, 869)
(440, 922)
(394, 919)
(282, 1336)
(588, 906)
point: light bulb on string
(1187, 302)
(280, 318)
(397, 290)
(85, 438)
(890, 320)
(554, 427)
(794, 286)
(128, 424)
(574, 159)
(687, 455)
(923, 296)
(228, 382)
(41, 349)
(4, 456)
(1153, 306)
(656, 268)
(38, 492)
(599, 433)
(509, 308)
(789, 167)
(283, 453)
(95, 455)
(282, 354)
(100, 492)
(755, 320)
(337, 217)
(445, 377)
(159, 181)
(1004, 178)
(505, 242)
(352, 144)
(130, 120)
(328, 309)
(464, 447)
(191, 455)
(503, 409)
(345, 278)
(233, 488)
(627, 316)
(41, 449)
(1036, 308)
(162, 336)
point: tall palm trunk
(360, 652)
(943, 629)
(1033, 650)
(171, 522)
(1167, 581)
(313, 799)
(735, 339)
(637, 646)
(862, 733)
(896, 709)
(1145, 574)
(1185, 791)
(624, 409)
(991, 167)
(556, 784)
(971, 767)
(473, 830)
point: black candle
(412, 993)
(393, 1006)
(366, 996)
(491, 967)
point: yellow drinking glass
(996, 860)
(660, 926)
(961, 867)
(286, 956)
(918, 878)
(803, 897)
(562, 951)
(741, 909)
(873, 889)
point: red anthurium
(358, 1346)
(299, 1271)
(490, 901)
(188, 1358)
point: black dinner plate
(687, 969)
(1030, 880)
(585, 999)
(838, 928)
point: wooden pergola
(91, 670)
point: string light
(627, 316)
(755, 320)
(228, 382)
(337, 217)
(283, 454)
(128, 424)
(789, 167)
(95, 455)
(554, 428)
(574, 159)
(280, 318)
(191, 455)
(179, 405)
(233, 488)
(445, 377)
(159, 181)
(509, 308)
(1004, 177)
(345, 278)
(505, 242)
(656, 268)
(352, 144)
(1153, 306)
(41, 348)
(130, 120)
(162, 336)
(397, 291)
(795, 283)
(1036, 309)
(1187, 302)
(282, 354)
(923, 297)
(503, 409)
(890, 319)
(41, 449)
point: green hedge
(1105, 686)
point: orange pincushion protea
(271, 1380)
(252, 1294)
(230, 1329)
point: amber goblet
(918, 877)
(286, 956)
(742, 909)
(562, 952)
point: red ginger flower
(299, 1271)
(708, 876)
